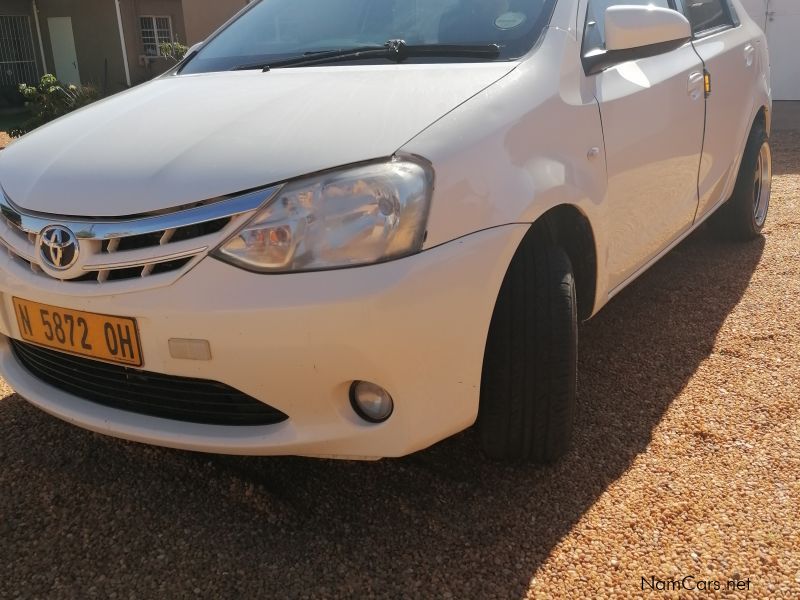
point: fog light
(371, 402)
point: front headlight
(356, 216)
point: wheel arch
(568, 227)
(763, 117)
(571, 229)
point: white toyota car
(352, 228)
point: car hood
(179, 140)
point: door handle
(696, 85)
(749, 54)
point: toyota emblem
(58, 247)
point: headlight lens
(357, 216)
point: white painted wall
(783, 24)
(781, 21)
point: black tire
(743, 216)
(529, 382)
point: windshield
(273, 30)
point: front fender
(529, 142)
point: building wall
(96, 32)
(203, 17)
(15, 7)
(97, 43)
(142, 68)
(94, 27)
(781, 28)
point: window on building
(17, 58)
(155, 31)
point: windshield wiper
(396, 50)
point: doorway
(65, 57)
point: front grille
(153, 394)
(118, 249)
(167, 236)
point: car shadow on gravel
(82, 510)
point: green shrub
(173, 50)
(51, 100)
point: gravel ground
(5, 140)
(687, 463)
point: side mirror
(633, 32)
(629, 27)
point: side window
(594, 32)
(706, 15)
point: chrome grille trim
(112, 250)
(94, 229)
(145, 262)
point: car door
(652, 111)
(730, 56)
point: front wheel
(743, 216)
(529, 382)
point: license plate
(104, 337)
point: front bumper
(415, 326)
